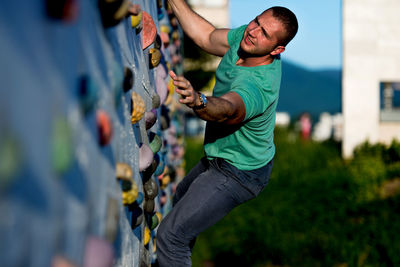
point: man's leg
(209, 198)
(184, 185)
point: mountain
(304, 90)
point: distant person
(305, 126)
(240, 119)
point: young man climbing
(240, 119)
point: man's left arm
(228, 108)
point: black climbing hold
(64, 10)
(128, 79)
(113, 11)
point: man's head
(269, 32)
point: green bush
(316, 211)
(368, 172)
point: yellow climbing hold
(165, 29)
(155, 57)
(154, 245)
(146, 236)
(130, 196)
(124, 172)
(136, 17)
(159, 216)
(138, 107)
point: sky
(317, 44)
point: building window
(390, 101)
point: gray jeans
(208, 193)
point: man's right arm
(202, 32)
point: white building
(215, 11)
(371, 63)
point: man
(240, 119)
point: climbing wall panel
(90, 130)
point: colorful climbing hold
(61, 261)
(150, 189)
(147, 236)
(113, 11)
(88, 93)
(154, 222)
(165, 28)
(128, 197)
(146, 174)
(61, 145)
(160, 167)
(148, 205)
(157, 42)
(10, 159)
(155, 100)
(129, 186)
(136, 16)
(163, 199)
(124, 172)
(150, 118)
(154, 245)
(175, 35)
(138, 107)
(117, 83)
(146, 157)
(165, 120)
(98, 253)
(155, 57)
(128, 79)
(104, 127)
(155, 142)
(149, 30)
(137, 216)
(161, 85)
(165, 39)
(140, 198)
(66, 10)
(165, 181)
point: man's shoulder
(235, 35)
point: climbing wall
(90, 130)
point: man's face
(262, 35)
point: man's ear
(278, 50)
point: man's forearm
(228, 108)
(220, 110)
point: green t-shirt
(249, 145)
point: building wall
(371, 55)
(215, 11)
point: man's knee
(169, 234)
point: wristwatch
(203, 101)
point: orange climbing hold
(104, 127)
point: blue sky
(317, 44)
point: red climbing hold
(149, 30)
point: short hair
(289, 21)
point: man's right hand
(185, 89)
(202, 32)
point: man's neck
(246, 60)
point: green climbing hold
(10, 160)
(155, 143)
(61, 145)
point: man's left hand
(183, 87)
